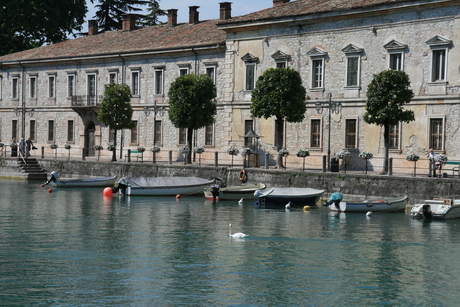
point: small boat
(162, 186)
(378, 205)
(280, 197)
(437, 208)
(81, 183)
(232, 193)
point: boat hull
(234, 193)
(385, 205)
(280, 197)
(440, 209)
(162, 186)
(85, 183)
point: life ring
(243, 175)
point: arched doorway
(90, 139)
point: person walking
(21, 147)
(431, 160)
(29, 146)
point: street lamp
(156, 110)
(23, 110)
(333, 107)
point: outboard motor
(427, 211)
(335, 199)
(215, 191)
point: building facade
(337, 46)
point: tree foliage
(110, 13)
(387, 94)
(279, 92)
(154, 12)
(26, 24)
(115, 110)
(192, 105)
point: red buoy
(50, 190)
(108, 191)
(178, 196)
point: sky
(208, 9)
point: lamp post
(156, 110)
(333, 107)
(23, 110)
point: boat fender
(243, 176)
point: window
(439, 47)
(182, 136)
(70, 85)
(112, 77)
(70, 132)
(91, 83)
(33, 87)
(111, 136)
(14, 129)
(15, 88)
(350, 133)
(158, 133)
(134, 139)
(396, 61)
(352, 70)
(281, 59)
(276, 132)
(51, 86)
(135, 83)
(159, 82)
(32, 130)
(315, 133)
(209, 135)
(394, 137)
(248, 126)
(51, 131)
(436, 133)
(317, 56)
(396, 54)
(184, 70)
(250, 71)
(211, 72)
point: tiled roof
(308, 7)
(154, 38)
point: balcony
(84, 104)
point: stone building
(336, 46)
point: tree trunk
(279, 141)
(386, 145)
(114, 152)
(188, 157)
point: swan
(288, 206)
(369, 213)
(235, 235)
(240, 202)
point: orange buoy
(42, 185)
(50, 190)
(108, 191)
(178, 196)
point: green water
(72, 247)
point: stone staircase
(32, 168)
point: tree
(279, 92)
(151, 19)
(110, 13)
(191, 99)
(115, 110)
(26, 24)
(387, 93)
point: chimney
(128, 22)
(172, 17)
(92, 27)
(193, 14)
(225, 10)
(279, 2)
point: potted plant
(98, 147)
(155, 149)
(111, 147)
(53, 146)
(1, 144)
(414, 158)
(283, 152)
(198, 150)
(344, 155)
(67, 146)
(365, 155)
(246, 151)
(233, 151)
(140, 149)
(302, 153)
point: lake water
(72, 247)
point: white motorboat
(216, 192)
(437, 208)
(95, 182)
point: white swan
(369, 213)
(240, 202)
(288, 206)
(235, 235)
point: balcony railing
(86, 101)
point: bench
(455, 168)
(139, 155)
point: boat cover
(164, 181)
(287, 192)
